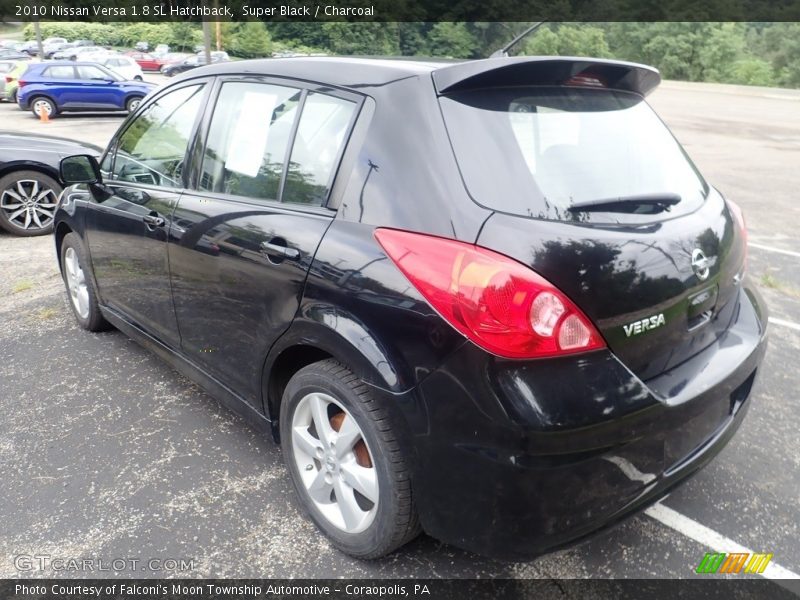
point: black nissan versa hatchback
(491, 300)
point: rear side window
(317, 147)
(248, 139)
(60, 72)
(535, 151)
(152, 148)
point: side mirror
(81, 168)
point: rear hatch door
(592, 191)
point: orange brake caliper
(360, 449)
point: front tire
(133, 103)
(345, 461)
(77, 279)
(28, 202)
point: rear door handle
(154, 220)
(280, 251)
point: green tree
(451, 40)
(251, 40)
(362, 38)
(724, 46)
(752, 71)
(780, 44)
(567, 40)
(183, 36)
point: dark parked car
(31, 48)
(493, 300)
(56, 87)
(29, 186)
(192, 62)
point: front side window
(91, 72)
(152, 148)
(317, 147)
(248, 138)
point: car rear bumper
(515, 459)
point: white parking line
(773, 249)
(783, 323)
(718, 542)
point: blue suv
(54, 87)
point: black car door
(129, 219)
(243, 241)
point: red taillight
(9, 79)
(738, 216)
(22, 83)
(498, 303)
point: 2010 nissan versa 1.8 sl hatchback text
(491, 300)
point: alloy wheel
(76, 283)
(42, 105)
(29, 204)
(334, 463)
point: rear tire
(77, 275)
(368, 456)
(40, 103)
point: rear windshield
(535, 151)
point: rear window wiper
(652, 203)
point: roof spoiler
(546, 70)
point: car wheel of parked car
(43, 104)
(138, 78)
(345, 462)
(13, 97)
(133, 103)
(28, 202)
(79, 285)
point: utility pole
(207, 41)
(218, 28)
(38, 31)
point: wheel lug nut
(309, 467)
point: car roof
(62, 63)
(348, 72)
(448, 75)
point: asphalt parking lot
(106, 452)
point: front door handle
(280, 251)
(154, 220)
